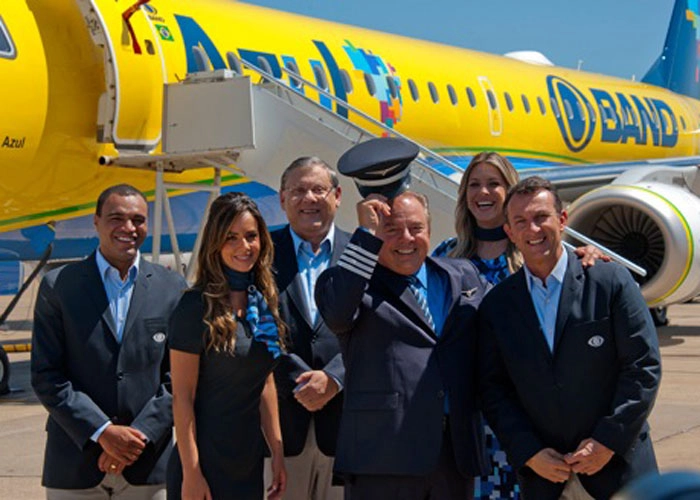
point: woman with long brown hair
(224, 341)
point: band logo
(612, 117)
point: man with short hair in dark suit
(99, 363)
(310, 375)
(406, 324)
(570, 361)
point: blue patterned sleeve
(445, 247)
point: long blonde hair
(211, 279)
(465, 223)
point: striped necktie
(421, 297)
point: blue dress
(502, 482)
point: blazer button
(441, 394)
(120, 376)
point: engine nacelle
(655, 223)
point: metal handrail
(295, 76)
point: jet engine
(651, 216)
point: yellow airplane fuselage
(69, 100)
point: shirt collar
(103, 266)
(422, 276)
(298, 241)
(557, 273)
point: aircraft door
(494, 108)
(130, 112)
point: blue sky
(615, 37)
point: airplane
(83, 82)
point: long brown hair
(465, 223)
(212, 281)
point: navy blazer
(83, 377)
(309, 347)
(398, 370)
(600, 381)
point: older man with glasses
(310, 376)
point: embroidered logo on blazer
(596, 341)
(469, 293)
(159, 337)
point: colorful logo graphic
(383, 78)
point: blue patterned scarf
(261, 321)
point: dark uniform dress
(226, 406)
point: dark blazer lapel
(288, 276)
(570, 294)
(522, 301)
(95, 289)
(138, 297)
(455, 283)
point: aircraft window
(264, 65)
(293, 70)
(7, 48)
(471, 96)
(580, 108)
(414, 90)
(433, 92)
(509, 101)
(320, 78)
(234, 63)
(555, 107)
(371, 88)
(604, 115)
(347, 81)
(492, 99)
(683, 123)
(453, 95)
(569, 110)
(392, 86)
(543, 109)
(591, 111)
(526, 103)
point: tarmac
(675, 420)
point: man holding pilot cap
(406, 326)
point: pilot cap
(379, 165)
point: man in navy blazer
(99, 363)
(570, 361)
(406, 324)
(310, 375)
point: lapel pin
(596, 341)
(159, 337)
(469, 293)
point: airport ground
(675, 419)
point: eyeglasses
(318, 192)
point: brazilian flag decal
(164, 32)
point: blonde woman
(224, 343)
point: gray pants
(309, 474)
(113, 486)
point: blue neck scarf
(262, 322)
(237, 280)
